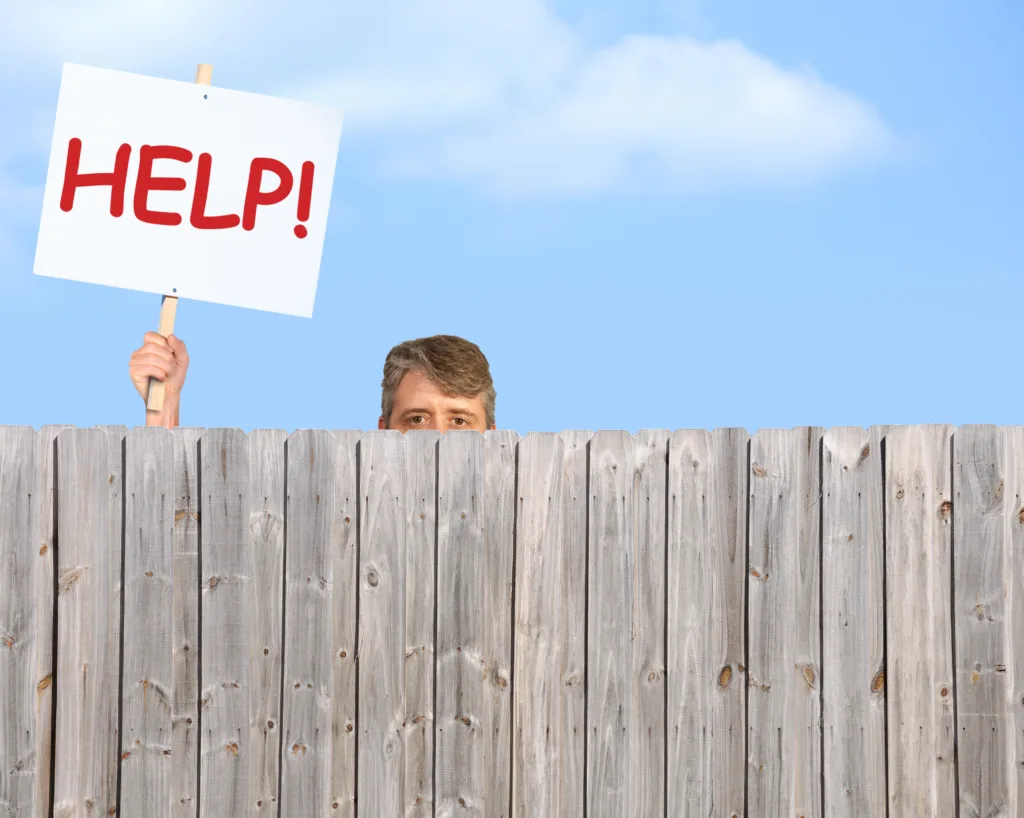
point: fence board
(650, 515)
(475, 508)
(185, 625)
(227, 609)
(984, 515)
(611, 709)
(20, 634)
(536, 688)
(266, 524)
(707, 567)
(1014, 523)
(146, 680)
(345, 592)
(919, 669)
(382, 645)
(784, 703)
(46, 588)
(309, 586)
(853, 582)
(89, 494)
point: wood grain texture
(611, 709)
(46, 587)
(476, 476)
(919, 642)
(185, 625)
(419, 600)
(266, 526)
(147, 669)
(1013, 437)
(573, 618)
(382, 714)
(707, 569)
(647, 731)
(20, 634)
(783, 591)
(853, 583)
(308, 637)
(538, 728)
(986, 508)
(227, 609)
(89, 529)
(345, 592)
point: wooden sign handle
(169, 305)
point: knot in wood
(945, 509)
(372, 579)
(725, 676)
(878, 683)
(899, 494)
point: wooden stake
(169, 305)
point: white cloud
(501, 95)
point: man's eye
(460, 421)
(416, 419)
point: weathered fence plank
(185, 626)
(382, 714)
(46, 643)
(650, 521)
(344, 594)
(572, 663)
(784, 702)
(919, 642)
(475, 548)
(707, 560)
(986, 508)
(1014, 631)
(266, 526)
(537, 724)
(227, 610)
(147, 675)
(620, 766)
(308, 637)
(89, 526)
(420, 601)
(853, 582)
(20, 634)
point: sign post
(169, 305)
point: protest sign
(186, 190)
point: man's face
(419, 404)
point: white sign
(190, 190)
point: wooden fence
(797, 623)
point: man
(442, 382)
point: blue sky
(647, 214)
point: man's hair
(455, 365)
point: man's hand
(165, 359)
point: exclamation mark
(305, 195)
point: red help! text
(117, 181)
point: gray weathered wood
(89, 526)
(538, 727)
(1014, 528)
(419, 600)
(345, 592)
(147, 675)
(985, 512)
(611, 709)
(46, 584)
(853, 577)
(185, 626)
(227, 608)
(308, 637)
(474, 576)
(20, 565)
(266, 526)
(784, 670)
(919, 668)
(572, 622)
(647, 731)
(707, 562)
(382, 714)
